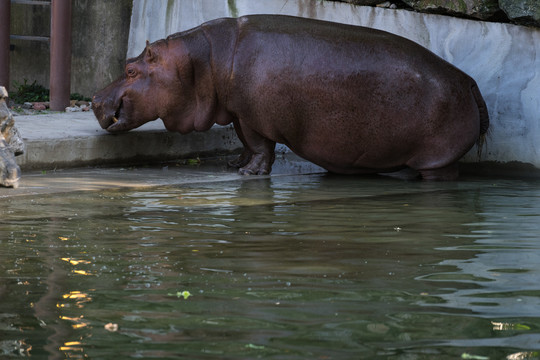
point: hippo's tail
(484, 119)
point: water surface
(285, 267)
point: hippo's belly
(367, 123)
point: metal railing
(60, 47)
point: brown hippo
(350, 99)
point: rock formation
(521, 12)
(11, 145)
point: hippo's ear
(151, 54)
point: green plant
(79, 97)
(36, 93)
(29, 93)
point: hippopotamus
(351, 99)
(11, 145)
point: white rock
(73, 109)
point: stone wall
(522, 12)
(99, 43)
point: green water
(292, 267)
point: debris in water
(111, 327)
(473, 357)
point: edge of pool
(74, 140)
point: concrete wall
(501, 57)
(99, 38)
(29, 59)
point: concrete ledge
(66, 140)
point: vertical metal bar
(5, 17)
(60, 75)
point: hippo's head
(11, 144)
(148, 89)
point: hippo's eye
(131, 72)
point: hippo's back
(315, 46)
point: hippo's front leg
(242, 160)
(245, 157)
(261, 149)
(260, 164)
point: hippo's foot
(260, 164)
(447, 173)
(242, 160)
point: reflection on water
(310, 267)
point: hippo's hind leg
(447, 173)
(261, 160)
(259, 151)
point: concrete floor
(68, 140)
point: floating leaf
(185, 294)
(195, 161)
(255, 347)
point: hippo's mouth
(118, 121)
(114, 121)
(121, 119)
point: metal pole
(5, 17)
(60, 75)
